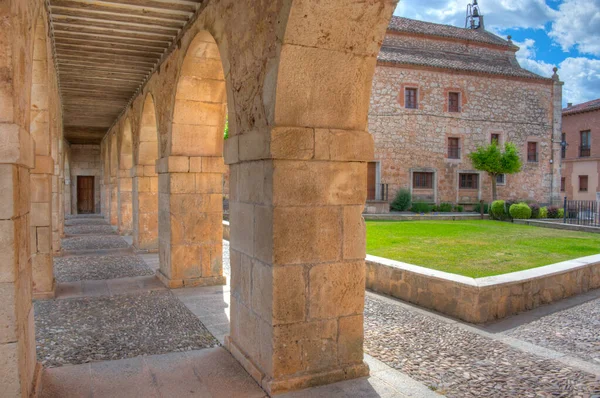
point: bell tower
(474, 19)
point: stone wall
(85, 161)
(483, 299)
(519, 110)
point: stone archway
(191, 176)
(145, 181)
(124, 180)
(41, 175)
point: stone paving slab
(81, 330)
(90, 229)
(79, 268)
(575, 331)
(211, 372)
(77, 216)
(98, 242)
(458, 363)
(86, 221)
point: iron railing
(584, 151)
(378, 192)
(582, 212)
(453, 152)
(532, 157)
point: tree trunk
(494, 194)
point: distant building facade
(439, 92)
(581, 156)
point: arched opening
(145, 182)
(191, 173)
(114, 166)
(41, 176)
(125, 180)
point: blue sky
(561, 33)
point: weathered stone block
(292, 143)
(336, 289)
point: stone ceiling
(105, 49)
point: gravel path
(86, 221)
(575, 331)
(80, 268)
(75, 331)
(460, 363)
(85, 229)
(97, 242)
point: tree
(495, 162)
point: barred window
(423, 180)
(469, 181)
(410, 98)
(453, 102)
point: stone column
(17, 334)
(125, 215)
(190, 220)
(56, 213)
(114, 202)
(145, 205)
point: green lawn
(476, 248)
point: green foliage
(552, 212)
(544, 212)
(420, 207)
(561, 212)
(520, 211)
(446, 207)
(402, 200)
(458, 209)
(498, 210)
(494, 161)
(535, 210)
(486, 208)
(435, 208)
(226, 132)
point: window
(501, 179)
(453, 102)
(563, 183)
(453, 148)
(495, 138)
(585, 149)
(423, 180)
(563, 146)
(583, 183)
(410, 98)
(468, 181)
(532, 153)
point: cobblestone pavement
(75, 331)
(84, 229)
(78, 216)
(575, 331)
(95, 242)
(459, 363)
(80, 268)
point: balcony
(585, 151)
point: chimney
(570, 104)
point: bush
(446, 207)
(420, 207)
(561, 212)
(535, 210)
(497, 210)
(520, 211)
(458, 208)
(553, 212)
(435, 208)
(402, 200)
(486, 208)
(544, 212)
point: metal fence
(582, 212)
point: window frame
(563, 184)
(503, 182)
(492, 138)
(563, 148)
(406, 97)
(456, 148)
(586, 183)
(585, 151)
(474, 181)
(429, 178)
(536, 153)
(458, 107)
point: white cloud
(578, 25)
(582, 79)
(527, 59)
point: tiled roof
(446, 60)
(399, 24)
(585, 107)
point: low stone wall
(483, 299)
(557, 224)
(424, 217)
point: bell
(476, 12)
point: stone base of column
(36, 388)
(294, 383)
(180, 283)
(46, 295)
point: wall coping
(496, 280)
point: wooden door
(371, 180)
(85, 194)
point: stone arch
(145, 181)
(41, 175)
(190, 178)
(125, 196)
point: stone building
(142, 88)
(581, 156)
(441, 91)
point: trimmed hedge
(520, 211)
(535, 210)
(497, 210)
(421, 207)
(544, 212)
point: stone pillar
(125, 214)
(145, 205)
(114, 202)
(556, 166)
(56, 213)
(190, 220)
(18, 365)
